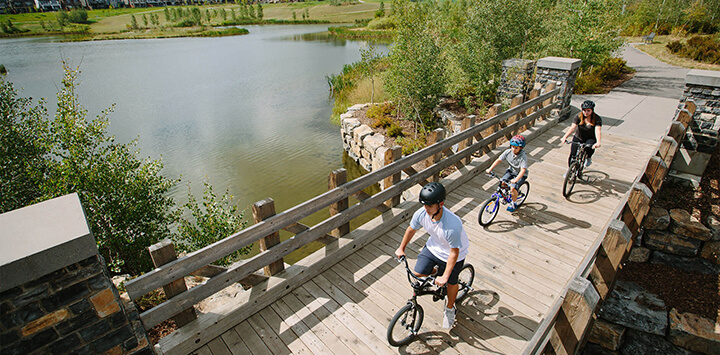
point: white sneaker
(448, 318)
(588, 162)
(565, 174)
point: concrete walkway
(643, 106)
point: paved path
(642, 106)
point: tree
(259, 12)
(125, 197)
(367, 64)
(23, 146)
(133, 22)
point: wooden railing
(567, 325)
(277, 281)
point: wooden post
(533, 94)
(263, 210)
(516, 101)
(466, 123)
(162, 253)
(612, 251)
(335, 179)
(434, 137)
(575, 316)
(492, 112)
(392, 155)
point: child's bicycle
(577, 164)
(502, 195)
(406, 323)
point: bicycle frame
(503, 190)
(420, 285)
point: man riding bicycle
(446, 247)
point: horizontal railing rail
(289, 219)
(567, 323)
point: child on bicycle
(446, 247)
(588, 125)
(517, 171)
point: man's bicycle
(577, 164)
(502, 195)
(406, 323)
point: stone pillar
(56, 296)
(703, 87)
(516, 79)
(563, 71)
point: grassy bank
(659, 50)
(118, 23)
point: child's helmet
(588, 104)
(432, 193)
(518, 141)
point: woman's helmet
(588, 104)
(518, 141)
(432, 193)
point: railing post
(335, 179)
(612, 251)
(533, 94)
(550, 87)
(162, 253)
(466, 123)
(492, 112)
(263, 210)
(575, 316)
(434, 137)
(392, 155)
(516, 101)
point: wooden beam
(162, 253)
(297, 228)
(392, 155)
(432, 138)
(336, 179)
(263, 210)
(613, 249)
(363, 196)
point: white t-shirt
(444, 234)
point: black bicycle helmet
(588, 104)
(432, 193)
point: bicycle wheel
(405, 324)
(522, 193)
(465, 280)
(488, 211)
(570, 178)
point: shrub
(674, 46)
(588, 83)
(381, 23)
(612, 68)
(395, 131)
(411, 145)
(382, 121)
(376, 111)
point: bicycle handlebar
(579, 143)
(422, 281)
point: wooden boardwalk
(522, 262)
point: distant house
(47, 5)
(16, 6)
(98, 4)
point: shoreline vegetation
(212, 20)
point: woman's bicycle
(406, 323)
(502, 195)
(577, 164)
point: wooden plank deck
(522, 261)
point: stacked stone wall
(55, 293)
(635, 321)
(563, 71)
(703, 87)
(516, 79)
(73, 310)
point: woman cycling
(587, 127)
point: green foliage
(65, 18)
(124, 197)
(394, 130)
(259, 11)
(216, 219)
(411, 145)
(23, 135)
(671, 16)
(415, 78)
(381, 110)
(9, 28)
(591, 80)
(381, 121)
(381, 11)
(133, 23)
(674, 46)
